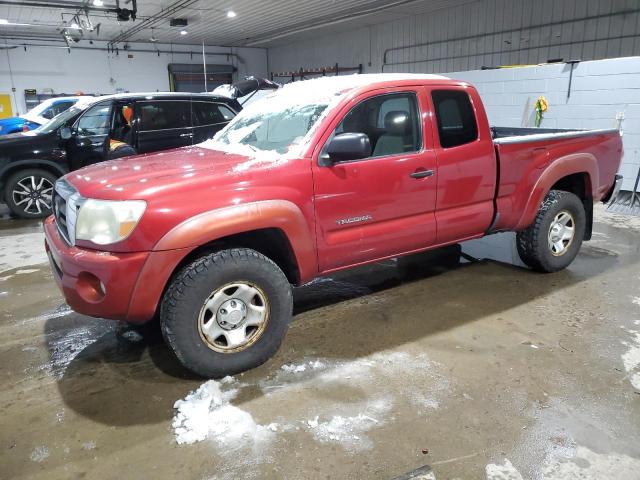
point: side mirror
(65, 133)
(346, 146)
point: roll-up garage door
(186, 77)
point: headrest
(396, 122)
(127, 113)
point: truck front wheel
(226, 312)
(552, 242)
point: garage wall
(96, 71)
(604, 94)
(475, 34)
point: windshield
(277, 128)
(60, 120)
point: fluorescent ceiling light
(231, 14)
(4, 21)
(98, 3)
(183, 32)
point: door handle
(186, 134)
(421, 174)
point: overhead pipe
(498, 52)
(502, 32)
(62, 5)
(136, 50)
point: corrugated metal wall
(476, 34)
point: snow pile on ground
(207, 413)
(39, 453)
(631, 358)
(348, 421)
(312, 365)
(504, 471)
(582, 464)
(349, 430)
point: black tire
(194, 285)
(533, 243)
(27, 205)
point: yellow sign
(5, 106)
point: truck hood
(152, 176)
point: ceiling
(259, 23)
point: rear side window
(164, 114)
(456, 119)
(207, 113)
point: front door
(382, 205)
(90, 136)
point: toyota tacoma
(319, 176)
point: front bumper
(94, 283)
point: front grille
(60, 213)
(65, 209)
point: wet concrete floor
(459, 359)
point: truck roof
(328, 89)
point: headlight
(106, 221)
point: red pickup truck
(321, 175)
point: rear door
(384, 204)
(467, 168)
(163, 124)
(208, 118)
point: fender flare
(560, 168)
(214, 224)
(7, 169)
(35, 163)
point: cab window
(455, 116)
(391, 122)
(95, 121)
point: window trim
(420, 123)
(436, 122)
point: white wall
(602, 91)
(96, 71)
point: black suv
(104, 128)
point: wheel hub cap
(233, 317)
(561, 233)
(231, 314)
(33, 194)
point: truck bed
(524, 154)
(503, 135)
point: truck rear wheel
(552, 242)
(226, 312)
